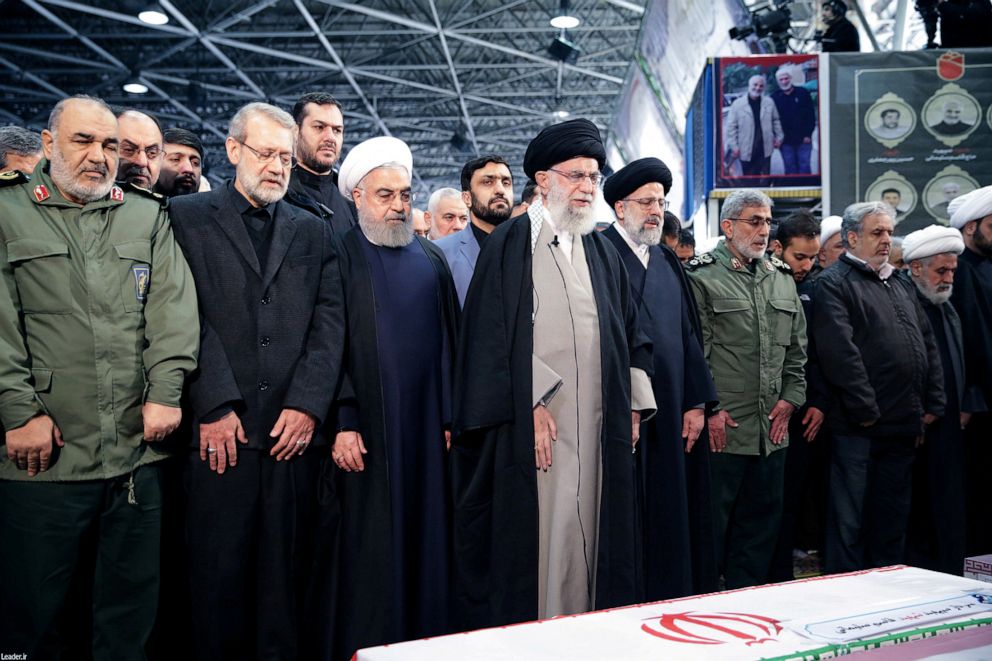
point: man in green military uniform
(754, 333)
(98, 330)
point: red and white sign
(740, 624)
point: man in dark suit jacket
(272, 331)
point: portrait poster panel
(767, 118)
(912, 129)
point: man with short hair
(753, 128)
(384, 539)
(893, 197)
(831, 241)
(673, 469)
(20, 149)
(182, 166)
(951, 123)
(889, 127)
(551, 384)
(686, 248)
(754, 332)
(798, 114)
(314, 183)
(487, 189)
(526, 197)
(141, 149)
(420, 225)
(446, 212)
(937, 525)
(98, 331)
(270, 358)
(671, 229)
(972, 298)
(881, 364)
(797, 244)
(949, 190)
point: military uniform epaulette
(158, 197)
(12, 177)
(780, 265)
(700, 260)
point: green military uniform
(98, 315)
(754, 333)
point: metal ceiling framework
(422, 70)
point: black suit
(269, 340)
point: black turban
(635, 174)
(561, 142)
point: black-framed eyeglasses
(577, 177)
(647, 202)
(265, 157)
(128, 149)
(755, 221)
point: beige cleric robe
(567, 377)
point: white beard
(567, 218)
(386, 234)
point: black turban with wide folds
(561, 142)
(635, 174)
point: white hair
(441, 194)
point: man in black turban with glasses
(672, 467)
(551, 384)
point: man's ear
(777, 248)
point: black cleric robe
(678, 543)
(383, 541)
(972, 299)
(494, 481)
(319, 195)
(936, 533)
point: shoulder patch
(780, 265)
(13, 177)
(144, 192)
(699, 261)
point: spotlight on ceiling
(560, 112)
(564, 50)
(133, 85)
(153, 15)
(564, 19)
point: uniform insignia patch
(736, 263)
(706, 258)
(769, 267)
(41, 193)
(116, 194)
(142, 275)
(777, 263)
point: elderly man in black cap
(551, 383)
(673, 469)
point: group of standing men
(390, 438)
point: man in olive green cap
(98, 331)
(754, 333)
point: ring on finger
(211, 450)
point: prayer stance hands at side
(348, 450)
(545, 431)
(30, 445)
(217, 442)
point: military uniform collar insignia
(41, 193)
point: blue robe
(385, 531)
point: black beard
(983, 245)
(308, 159)
(488, 215)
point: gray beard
(570, 219)
(748, 251)
(66, 182)
(932, 295)
(388, 235)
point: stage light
(564, 20)
(153, 15)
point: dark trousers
(804, 506)
(747, 507)
(756, 166)
(249, 553)
(45, 528)
(170, 637)
(870, 490)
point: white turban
(930, 241)
(829, 227)
(973, 206)
(369, 155)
